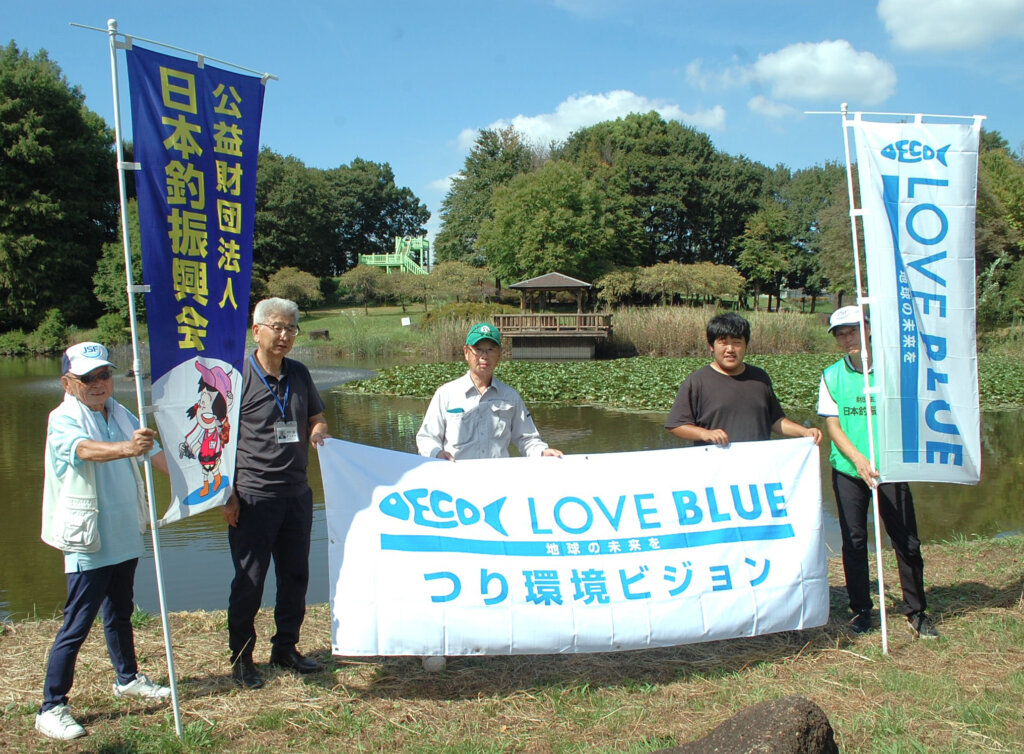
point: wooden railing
(554, 324)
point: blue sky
(410, 82)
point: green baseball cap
(483, 331)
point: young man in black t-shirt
(727, 400)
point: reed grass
(680, 331)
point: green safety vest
(846, 386)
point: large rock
(791, 725)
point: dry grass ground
(961, 693)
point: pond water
(196, 562)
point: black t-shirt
(263, 466)
(744, 406)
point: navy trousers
(896, 509)
(113, 589)
(269, 527)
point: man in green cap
(477, 415)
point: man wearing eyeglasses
(478, 415)
(95, 511)
(270, 511)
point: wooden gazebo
(538, 335)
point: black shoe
(291, 658)
(922, 627)
(245, 674)
(861, 622)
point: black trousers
(896, 509)
(112, 588)
(269, 527)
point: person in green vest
(841, 401)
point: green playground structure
(401, 260)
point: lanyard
(287, 388)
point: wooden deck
(591, 325)
(553, 336)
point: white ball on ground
(434, 663)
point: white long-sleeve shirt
(470, 424)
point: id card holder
(286, 432)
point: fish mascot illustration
(212, 431)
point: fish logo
(911, 150)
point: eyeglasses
(290, 330)
(88, 379)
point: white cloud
(830, 70)
(580, 111)
(442, 185)
(724, 79)
(769, 108)
(950, 24)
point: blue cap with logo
(483, 331)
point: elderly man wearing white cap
(841, 401)
(94, 510)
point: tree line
(647, 208)
(623, 201)
(60, 247)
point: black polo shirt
(263, 466)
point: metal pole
(137, 368)
(865, 358)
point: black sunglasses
(88, 379)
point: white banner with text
(918, 186)
(586, 553)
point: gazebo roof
(553, 281)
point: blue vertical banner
(918, 187)
(196, 133)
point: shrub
(296, 285)
(51, 335)
(13, 343)
(111, 330)
(469, 311)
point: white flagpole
(863, 300)
(122, 166)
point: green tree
(461, 281)
(297, 285)
(58, 184)
(552, 220)
(405, 288)
(320, 221)
(370, 211)
(999, 232)
(295, 223)
(496, 158)
(716, 282)
(109, 283)
(617, 286)
(766, 251)
(835, 245)
(664, 281)
(363, 283)
(691, 201)
(804, 195)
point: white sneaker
(434, 663)
(143, 688)
(58, 723)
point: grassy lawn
(961, 693)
